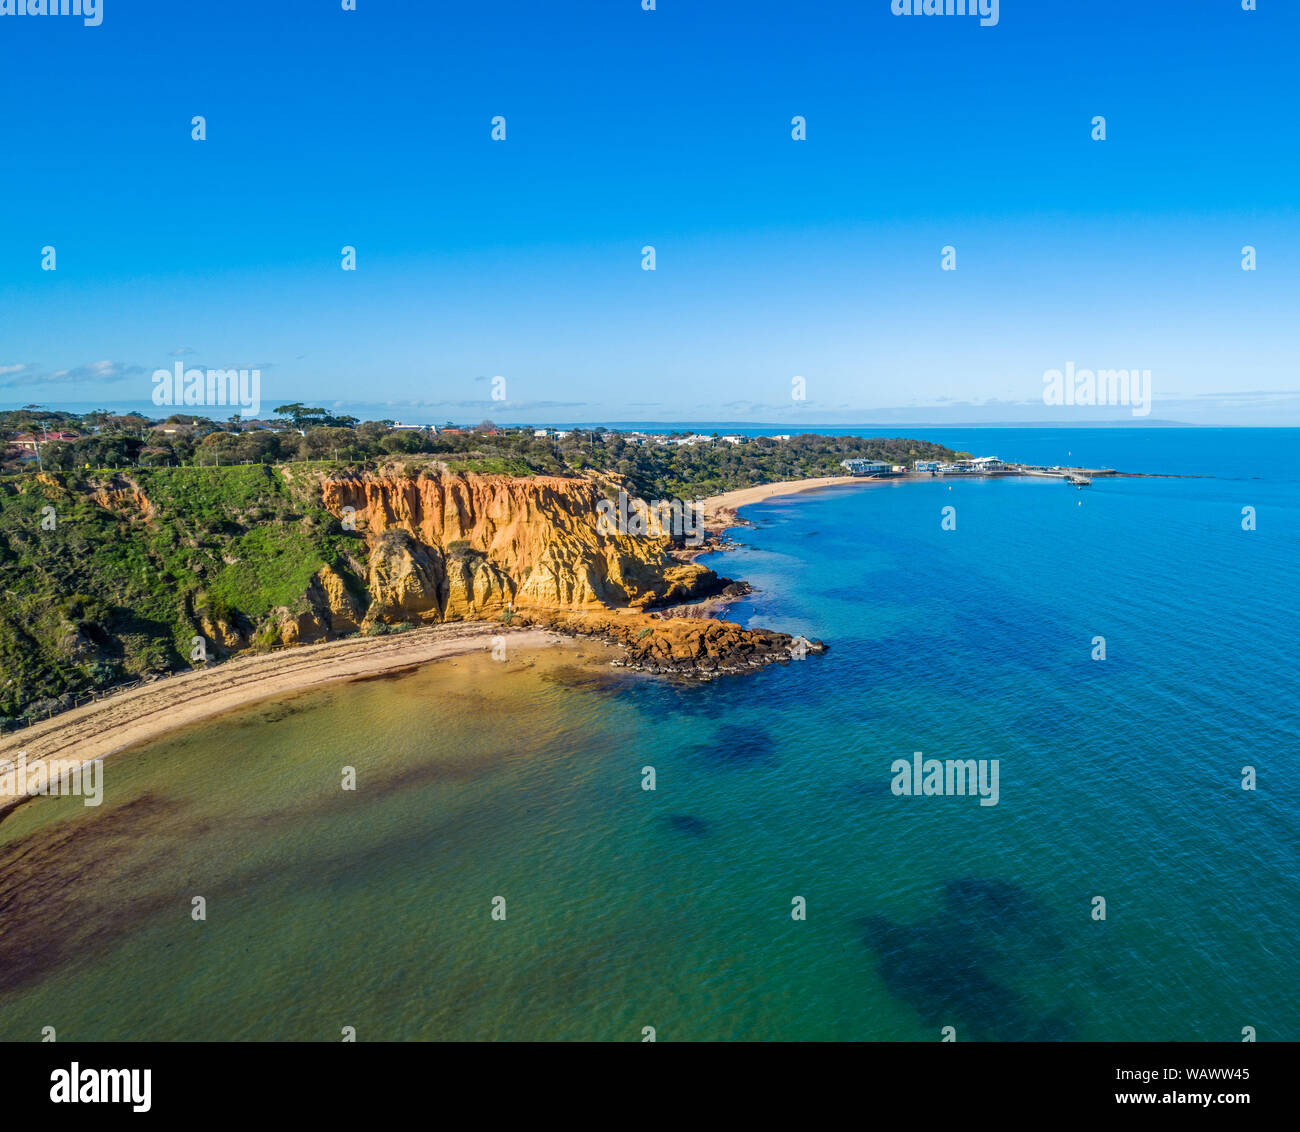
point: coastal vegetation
(107, 579)
(652, 470)
(125, 545)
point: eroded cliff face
(138, 565)
(469, 547)
(124, 497)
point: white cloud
(101, 371)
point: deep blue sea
(1121, 777)
(1120, 781)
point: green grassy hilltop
(107, 576)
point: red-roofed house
(28, 441)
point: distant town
(34, 435)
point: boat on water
(1078, 480)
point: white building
(867, 467)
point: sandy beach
(720, 510)
(100, 729)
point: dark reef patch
(62, 896)
(587, 678)
(281, 711)
(746, 745)
(872, 788)
(963, 966)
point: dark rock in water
(740, 746)
(587, 679)
(975, 896)
(687, 647)
(944, 983)
(278, 712)
(1007, 917)
(877, 788)
(737, 589)
(961, 966)
(686, 823)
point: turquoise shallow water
(671, 908)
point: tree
(258, 446)
(301, 414)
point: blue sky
(671, 128)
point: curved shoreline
(128, 719)
(720, 511)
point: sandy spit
(720, 510)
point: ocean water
(626, 908)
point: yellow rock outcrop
(464, 546)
